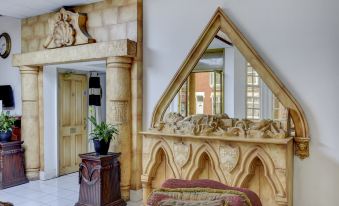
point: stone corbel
(302, 147)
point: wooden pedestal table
(12, 164)
(99, 179)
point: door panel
(72, 118)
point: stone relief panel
(220, 125)
(232, 161)
(107, 21)
(66, 29)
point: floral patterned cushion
(173, 202)
(198, 192)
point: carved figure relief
(229, 157)
(66, 29)
(220, 125)
(181, 153)
(302, 147)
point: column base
(33, 175)
(125, 195)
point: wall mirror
(224, 77)
(223, 82)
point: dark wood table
(99, 179)
(12, 164)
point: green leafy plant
(6, 122)
(103, 130)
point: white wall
(298, 39)
(50, 80)
(10, 75)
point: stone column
(118, 104)
(30, 120)
(146, 191)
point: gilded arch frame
(220, 21)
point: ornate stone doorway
(119, 56)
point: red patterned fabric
(232, 199)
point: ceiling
(28, 8)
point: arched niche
(221, 22)
(205, 160)
(205, 169)
(258, 173)
(161, 156)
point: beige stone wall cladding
(107, 21)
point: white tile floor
(62, 191)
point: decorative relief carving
(220, 125)
(182, 153)
(229, 157)
(186, 159)
(119, 111)
(66, 29)
(302, 147)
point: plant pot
(101, 147)
(5, 136)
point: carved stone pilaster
(118, 95)
(30, 120)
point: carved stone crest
(229, 157)
(66, 29)
(181, 153)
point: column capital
(29, 69)
(119, 62)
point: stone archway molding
(152, 162)
(119, 56)
(246, 170)
(213, 158)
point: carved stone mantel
(87, 52)
(233, 162)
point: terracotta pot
(5, 136)
(101, 147)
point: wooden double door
(73, 108)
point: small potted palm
(102, 135)
(6, 126)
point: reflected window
(202, 93)
(252, 93)
(199, 96)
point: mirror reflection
(224, 82)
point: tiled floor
(62, 191)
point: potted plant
(102, 135)
(6, 125)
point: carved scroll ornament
(220, 125)
(66, 29)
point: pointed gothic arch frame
(221, 22)
(207, 149)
